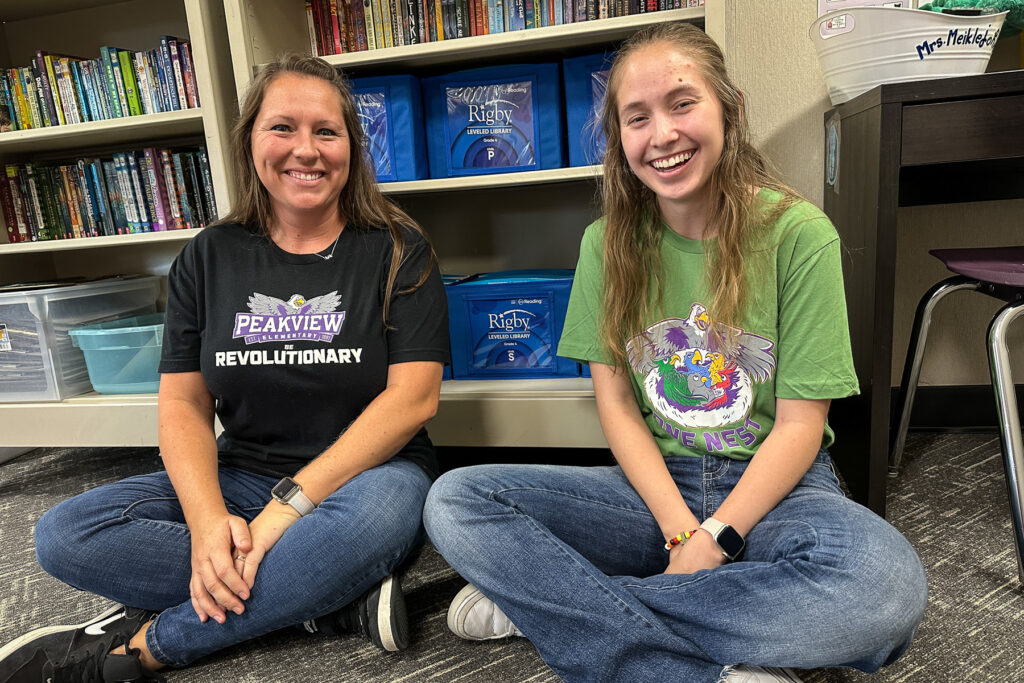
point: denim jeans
(128, 541)
(575, 559)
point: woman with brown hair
(312, 323)
(708, 301)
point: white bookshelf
(80, 27)
(541, 412)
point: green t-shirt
(696, 395)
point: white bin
(862, 47)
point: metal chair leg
(915, 357)
(1009, 421)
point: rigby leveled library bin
(507, 324)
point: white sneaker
(474, 617)
(745, 673)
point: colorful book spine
(119, 84)
(142, 198)
(188, 71)
(186, 204)
(179, 78)
(18, 199)
(116, 200)
(173, 190)
(7, 206)
(75, 80)
(131, 89)
(151, 163)
(113, 89)
(165, 56)
(90, 208)
(209, 195)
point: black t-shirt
(292, 346)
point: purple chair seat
(998, 265)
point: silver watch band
(301, 502)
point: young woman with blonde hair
(708, 301)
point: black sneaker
(75, 652)
(379, 615)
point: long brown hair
(361, 201)
(632, 237)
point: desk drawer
(968, 130)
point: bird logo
(261, 304)
(698, 373)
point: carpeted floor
(950, 502)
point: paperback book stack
(57, 89)
(338, 26)
(128, 192)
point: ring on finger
(240, 556)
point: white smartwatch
(289, 492)
(727, 538)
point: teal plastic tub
(122, 355)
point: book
(43, 83)
(311, 29)
(371, 33)
(334, 19)
(168, 68)
(358, 22)
(131, 92)
(142, 82)
(173, 190)
(142, 199)
(188, 71)
(75, 74)
(108, 57)
(95, 180)
(209, 195)
(114, 60)
(150, 162)
(187, 214)
(179, 77)
(18, 201)
(90, 210)
(31, 96)
(128, 199)
(7, 206)
(115, 197)
(33, 205)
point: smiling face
(672, 130)
(300, 149)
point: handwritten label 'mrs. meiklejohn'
(976, 37)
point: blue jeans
(128, 541)
(575, 559)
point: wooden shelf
(537, 412)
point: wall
(773, 61)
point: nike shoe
(473, 616)
(77, 653)
(745, 673)
(379, 615)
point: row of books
(339, 26)
(133, 191)
(60, 89)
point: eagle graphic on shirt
(697, 373)
(297, 304)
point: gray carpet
(950, 502)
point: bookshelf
(81, 28)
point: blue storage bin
(507, 324)
(390, 110)
(494, 120)
(586, 80)
(122, 355)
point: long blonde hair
(361, 201)
(632, 238)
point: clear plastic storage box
(38, 361)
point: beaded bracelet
(678, 539)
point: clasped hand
(700, 552)
(226, 554)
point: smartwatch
(289, 492)
(727, 538)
